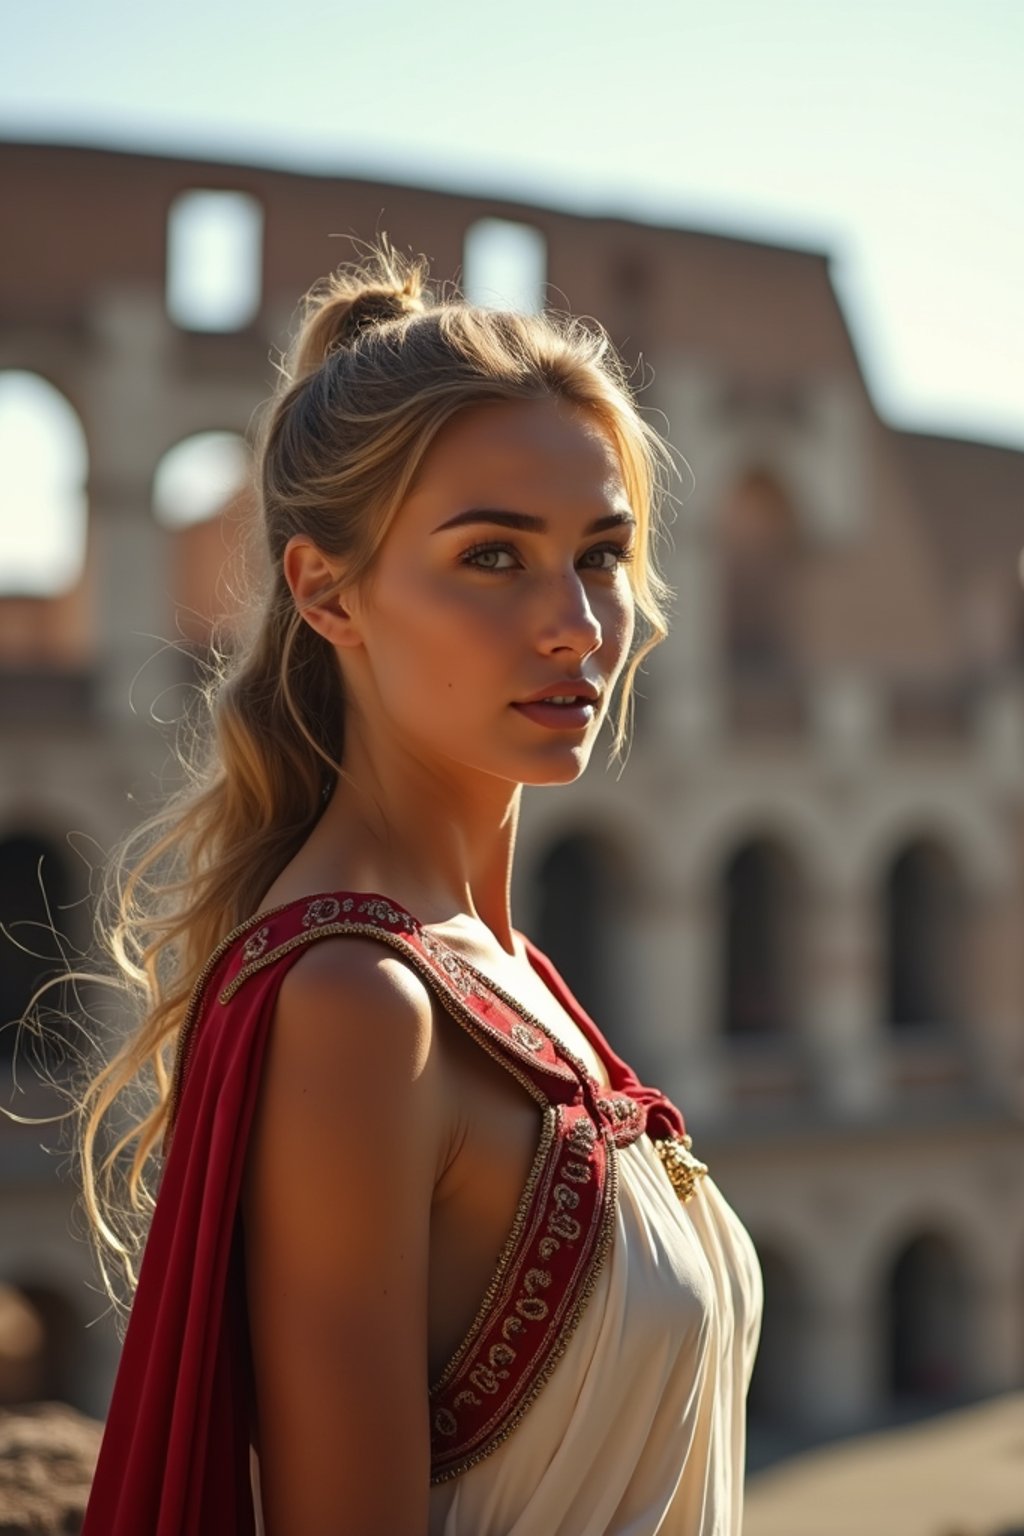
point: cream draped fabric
(641, 1428)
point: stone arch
(779, 810)
(762, 910)
(971, 832)
(925, 914)
(203, 495)
(926, 1306)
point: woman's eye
(503, 557)
(608, 556)
(490, 557)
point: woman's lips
(559, 717)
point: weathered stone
(47, 1455)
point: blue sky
(889, 133)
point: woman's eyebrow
(526, 522)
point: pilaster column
(844, 1033)
(671, 946)
(845, 1386)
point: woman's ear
(308, 572)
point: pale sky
(890, 132)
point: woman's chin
(561, 766)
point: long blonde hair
(377, 366)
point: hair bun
(340, 308)
(374, 306)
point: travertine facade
(801, 908)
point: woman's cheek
(620, 623)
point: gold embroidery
(581, 1137)
(568, 1328)
(527, 1037)
(384, 912)
(487, 1380)
(456, 969)
(557, 1045)
(536, 1279)
(445, 1422)
(566, 1226)
(322, 909)
(511, 1324)
(533, 1308)
(255, 946)
(186, 1035)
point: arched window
(40, 892)
(776, 1397)
(202, 491)
(928, 1323)
(925, 915)
(761, 897)
(577, 908)
(43, 470)
(214, 260)
(760, 549)
(505, 265)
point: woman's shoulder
(352, 997)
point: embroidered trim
(186, 1032)
(557, 1045)
(570, 1323)
(547, 1136)
(528, 1037)
(255, 946)
(558, 1239)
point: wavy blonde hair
(378, 365)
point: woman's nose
(570, 622)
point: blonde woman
(426, 1256)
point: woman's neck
(439, 843)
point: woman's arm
(340, 1173)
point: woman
(426, 1257)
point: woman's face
(503, 576)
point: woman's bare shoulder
(353, 1002)
(340, 1174)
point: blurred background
(800, 910)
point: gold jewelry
(683, 1168)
